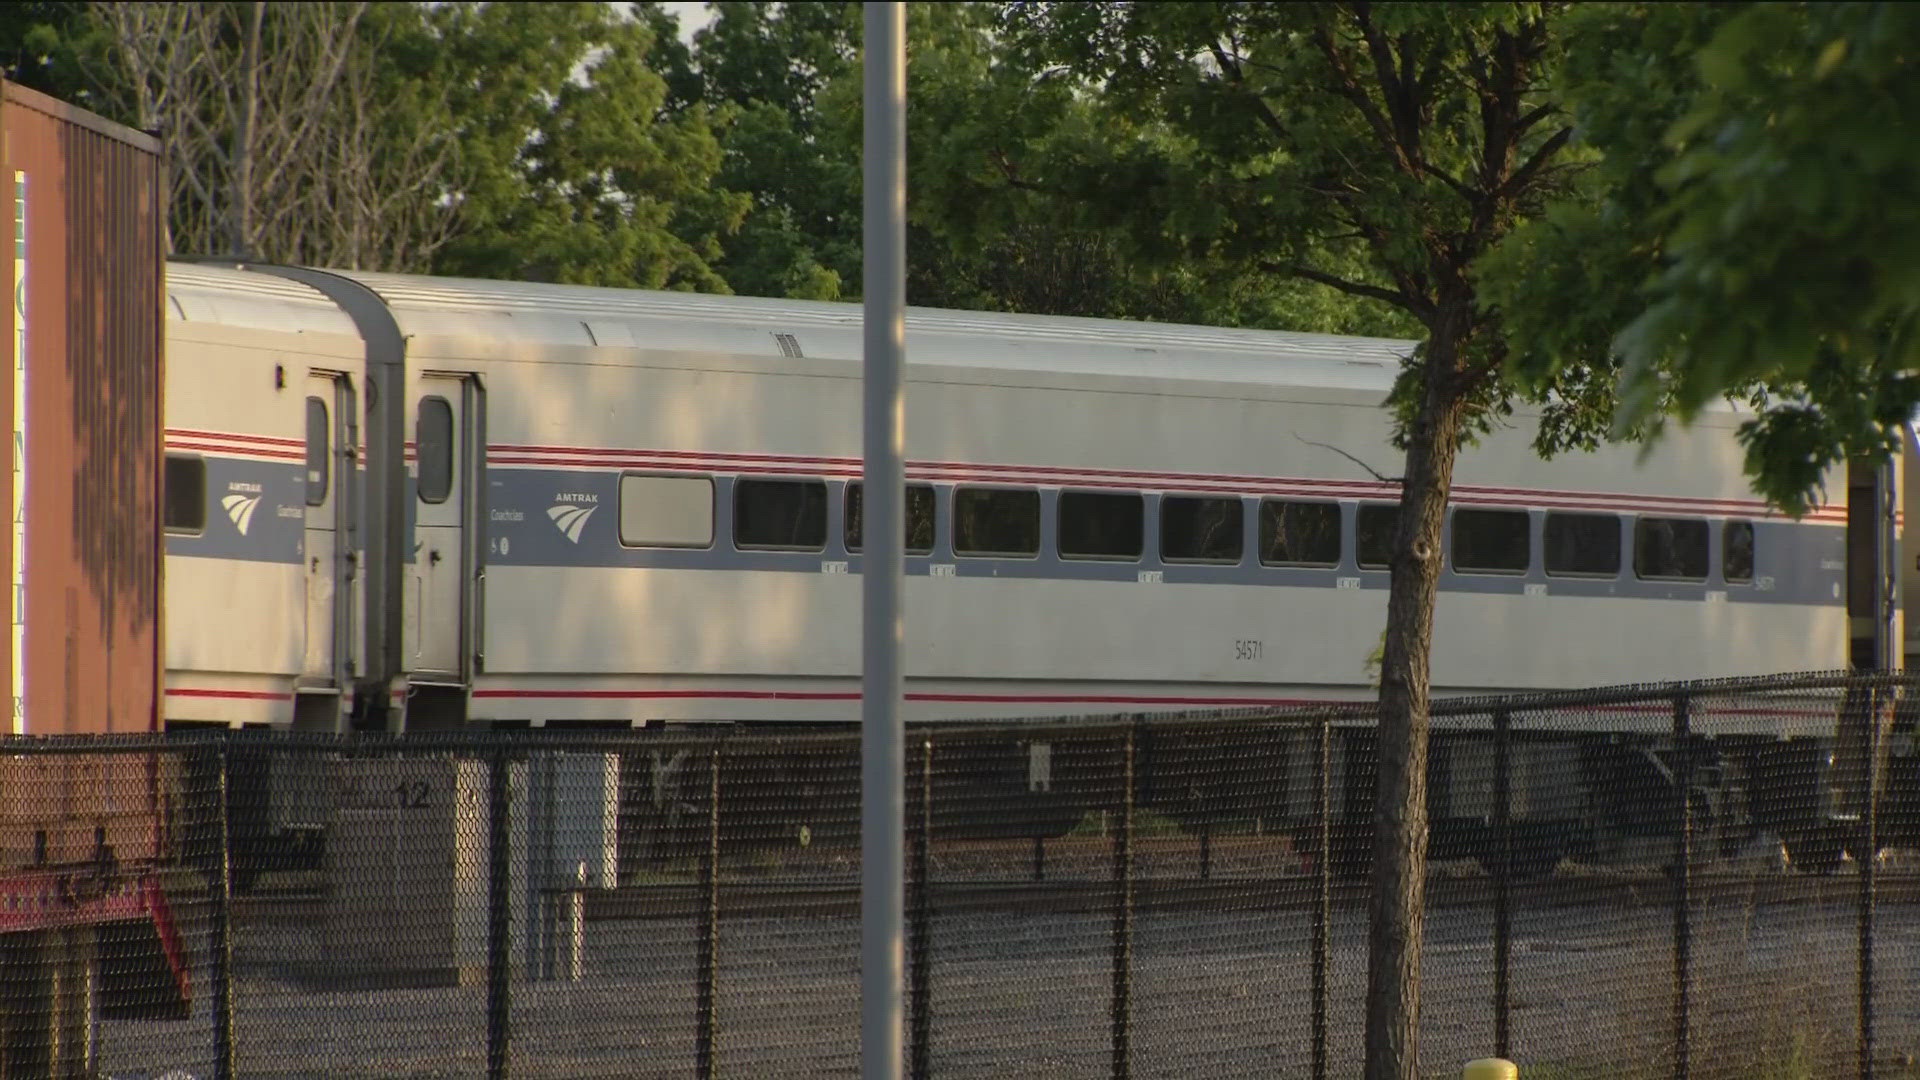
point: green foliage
(765, 71)
(1563, 283)
(1747, 230)
(1375, 151)
(981, 107)
(36, 47)
(783, 82)
(525, 141)
(589, 180)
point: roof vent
(789, 345)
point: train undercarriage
(1599, 798)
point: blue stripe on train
(542, 517)
(256, 511)
(266, 519)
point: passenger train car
(410, 503)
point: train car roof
(537, 313)
(199, 292)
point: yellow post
(1491, 1069)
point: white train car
(261, 416)
(635, 507)
(413, 503)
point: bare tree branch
(281, 142)
(1375, 473)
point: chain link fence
(1705, 880)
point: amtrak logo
(240, 508)
(571, 519)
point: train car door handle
(433, 557)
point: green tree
(1379, 151)
(783, 81)
(986, 236)
(762, 69)
(587, 178)
(1747, 230)
(36, 46)
(525, 141)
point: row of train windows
(791, 515)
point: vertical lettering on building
(19, 546)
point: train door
(328, 474)
(440, 604)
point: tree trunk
(1397, 902)
(245, 135)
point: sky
(693, 14)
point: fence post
(1502, 881)
(1122, 1006)
(1682, 885)
(1323, 887)
(499, 926)
(707, 958)
(1869, 847)
(221, 932)
(920, 911)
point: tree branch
(1352, 288)
(1528, 170)
(1347, 86)
(1454, 183)
(1370, 469)
(1402, 109)
(1011, 173)
(1533, 116)
(1231, 62)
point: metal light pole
(882, 573)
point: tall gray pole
(884, 532)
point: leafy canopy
(1378, 151)
(1748, 230)
(585, 178)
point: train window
(1373, 535)
(185, 485)
(1671, 548)
(319, 443)
(1199, 529)
(1736, 552)
(1583, 544)
(919, 518)
(1102, 525)
(783, 515)
(1299, 533)
(666, 511)
(1491, 541)
(996, 521)
(433, 440)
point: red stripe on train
(234, 695)
(555, 454)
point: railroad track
(840, 897)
